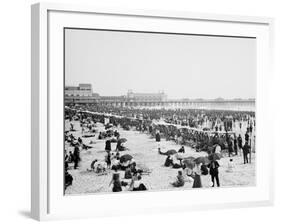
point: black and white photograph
(155, 111)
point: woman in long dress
(117, 186)
(197, 176)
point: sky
(183, 66)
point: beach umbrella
(215, 156)
(125, 158)
(122, 140)
(202, 159)
(171, 152)
(189, 163)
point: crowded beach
(111, 149)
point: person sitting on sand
(100, 136)
(80, 140)
(181, 150)
(133, 168)
(168, 161)
(176, 163)
(93, 164)
(138, 185)
(179, 181)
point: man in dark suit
(246, 150)
(214, 172)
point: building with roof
(146, 97)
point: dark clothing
(245, 157)
(108, 145)
(168, 162)
(76, 157)
(239, 142)
(230, 148)
(214, 165)
(215, 177)
(204, 170)
(214, 172)
(176, 166)
(197, 181)
(181, 150)
(158, 137)
(117, 186)
(68, 179)
(108, 160)
(142, 187)
(116, 183)
(246, 151)
(128, 174)
(247, 137)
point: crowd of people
(212, 131)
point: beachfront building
(82, 93)
(146, 97)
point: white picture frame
(48, 20)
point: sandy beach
(143, 148)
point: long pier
(239, 105)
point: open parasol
(202, 159)
(189, 163)
(122, 140)
(125, 158)
(215, 156)
(171, 152)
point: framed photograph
(138, 111)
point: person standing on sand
(158, 138)
(214, 172)
(117, 185)
(197, 176)
(76, 157)
(246, 151)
